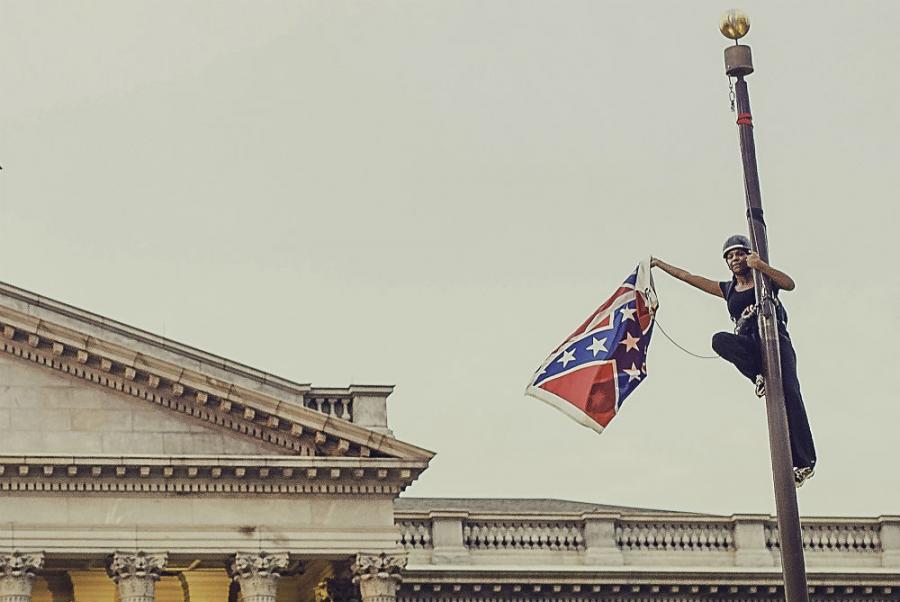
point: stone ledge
(205, 474)
(186, 543)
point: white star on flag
(568, 356)
(627, 313)
(633, 373)
(597, 346)
(630, 342)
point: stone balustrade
(339, 407)
(415, 534)
(863, 537)
(596, 538)
(674, 536)
(523, 535)
(825, 538)
(360, 404)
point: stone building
(134, 468)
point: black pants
(745, 353)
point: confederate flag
(592, 372)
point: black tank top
(738, 301)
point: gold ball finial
(734, 24)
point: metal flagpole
(738, 64)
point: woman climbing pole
(743, 349)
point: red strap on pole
(745, 119)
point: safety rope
(666, 334)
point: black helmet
(738, 241)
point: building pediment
(262, 415)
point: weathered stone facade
(137, 469)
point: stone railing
(339, 407)
(365, 405)
(415, 534)
(674, 536)
(440, 537)
(523, 535)
(824, 536)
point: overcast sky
(433, 194)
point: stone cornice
(555, 516)
(21, 302)
(224, 396)
(274, 475)
(646, 516)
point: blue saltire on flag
(592, 372)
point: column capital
(136, 574)
(378, 575)
(257, 574)
(262, 564)
(381, 566)
(139, 565)
(17, 573)
(17, 564)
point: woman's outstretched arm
(704, 284)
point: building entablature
(275, 475)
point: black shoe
(760, 385)
(802, 475)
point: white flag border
(565, 407)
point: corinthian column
(257, 575)
(136, 574)
(378, 576)
(17, 572)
